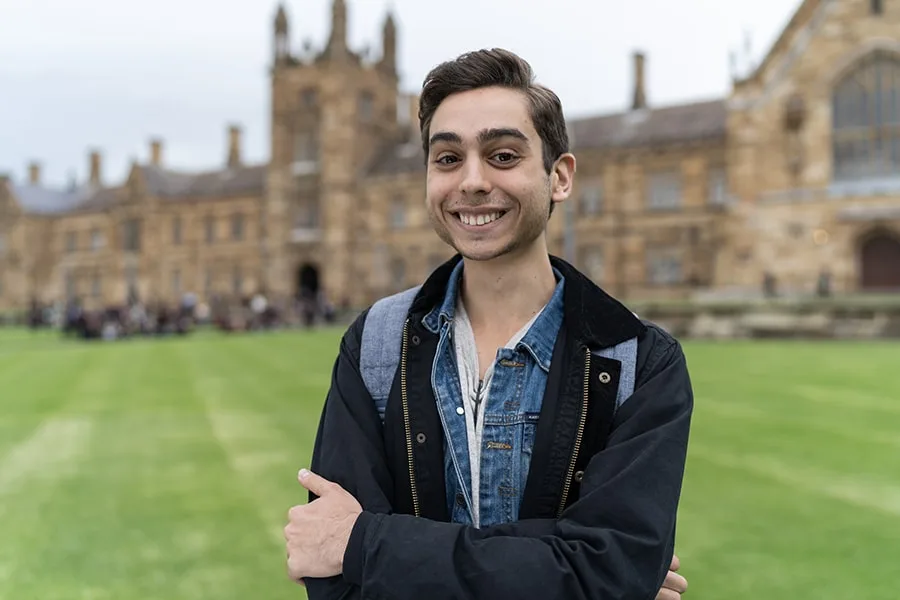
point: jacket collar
(591, 316)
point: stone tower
(332, 111)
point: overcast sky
(111, 74)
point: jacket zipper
(405, 403)
(579, 435)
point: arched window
(866, 120)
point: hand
(317, 533)
(674, 585)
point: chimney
(640, 92)
(95, 179)
(34, 173)
(234, 146)
(156, 152)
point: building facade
(793, 177)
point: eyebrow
(484, 136)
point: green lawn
(163, 469)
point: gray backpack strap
(380, 344)
(626, 354)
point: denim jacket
(510, 413)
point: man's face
(487, 192)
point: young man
(508, 430)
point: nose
(474, 179)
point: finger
(676, 563)
(675, 582)
(316, 484)
(665, 594)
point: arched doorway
(307, 281)
(879, 257)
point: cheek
(437, 190)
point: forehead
(467, 113)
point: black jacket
(596, 522)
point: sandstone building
(794, 174)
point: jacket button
(604, 377)
(460, 500)
(421, 438)
(415, 340)
(579, 476)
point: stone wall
(837, 318)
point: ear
(562, 178)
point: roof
(40, 200)
(670, 124)
(243, 180)
(665, 125)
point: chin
(485, 253)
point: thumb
(316, 484)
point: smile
(479, 220)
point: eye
(447, 159)
(505, 158)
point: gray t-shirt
(475, 391)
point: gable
(822, 40)
(793, 39)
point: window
(664, 267)
(398, 273)
(866, 120)
(71, 241)
(207, 282)
(308, 97)
(366, 106)
(876, 7)
(664, 190)
(131, 235)
(131, 277)
(96, 286)
(592, 199)
(592, 262)
(209, 226)
(306, 148)
(69, 283)
(176, 230)
(237, 280)
(237, 227)
(398, 212)
(97, 240)
(2, 244)
(176, 282)
(717, 190)
(307, 215)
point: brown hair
(496, 67)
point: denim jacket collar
(540, 338)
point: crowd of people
(223, 313)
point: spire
(282, 47)
(337, 43)
(281, 21)
(389, 43)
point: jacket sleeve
(349, 450)
(615, 542)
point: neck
(505, 293)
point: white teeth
(478, 219)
